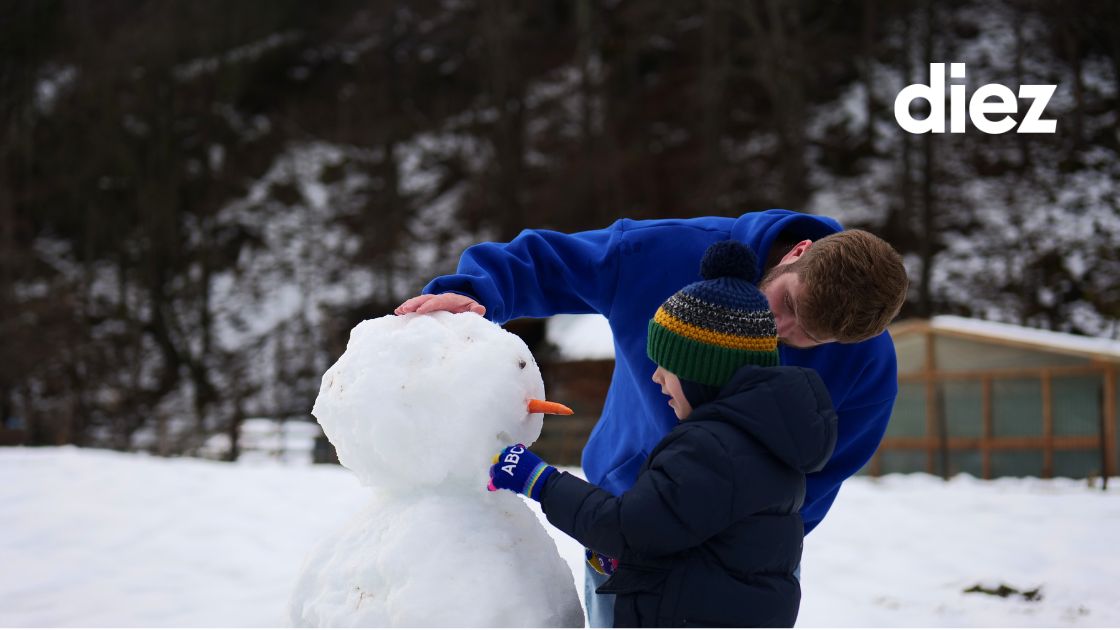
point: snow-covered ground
(95, 538)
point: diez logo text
(986, 104)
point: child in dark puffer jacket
(710, 534)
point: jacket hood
(787, 409)
(759, 230)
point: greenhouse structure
(996, 400)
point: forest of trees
(199, 199)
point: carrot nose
(545, 406)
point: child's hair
(855, 284)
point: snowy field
(94, 538)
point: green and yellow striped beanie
(708, 330)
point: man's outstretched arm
(538, 274)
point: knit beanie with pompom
(708, 330)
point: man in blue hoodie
(832, 293)
(710, 534)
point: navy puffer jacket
(710, 533)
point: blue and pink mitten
(603, 565)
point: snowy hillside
(94, 538)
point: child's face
(671, 387)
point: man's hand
(516, 468)
(450, 302)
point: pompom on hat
(708, 330)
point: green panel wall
(963, 406)
(1077, 464)
(909, 416)
(1077, 405)
(902, 462)
(1017, 463)
(911, 352)
(966, 461)
(1017, 407)
(953, 353)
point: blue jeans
(600, 608)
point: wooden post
(1047, 425)
(1109, 464)
(931, 405)
(988, 430)
(943, 441)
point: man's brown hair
(854, 285)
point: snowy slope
(96, 538)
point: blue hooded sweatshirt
(626, 271)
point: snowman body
(416, 407)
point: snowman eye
(521, 363)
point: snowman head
(427, 400)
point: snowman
(417, 407)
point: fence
(1055, 421)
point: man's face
(784, 291)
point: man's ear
(797, 252)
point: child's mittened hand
(516, 468)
